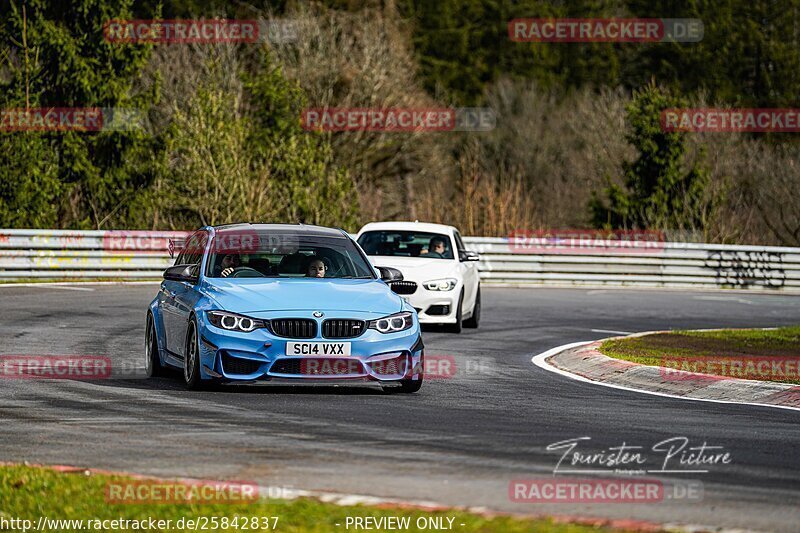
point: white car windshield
(406, 244)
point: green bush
(659, 192)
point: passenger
(316, 269)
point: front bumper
(260, 356)
(434, 307)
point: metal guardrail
(84, 255)
(143, 255)
(664, 264)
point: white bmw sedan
(440, 276)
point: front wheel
(191, 359)
(152, 360)
(475, 319)
(456, 328)
(408, 386)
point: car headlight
(441, 284)
(392, 323)
(234, 322)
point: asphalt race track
(460, 441)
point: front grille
(293, 328)
(342, 328)
(318, 366)
(403, 287)
(235, 365)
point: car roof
(294, 229)
(409, 226)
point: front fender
(158, 324)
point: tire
(456, 328)
(152, 362)
(475, 320)
(409, 386)
(191, 358)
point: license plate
(317, 348)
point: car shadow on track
(445, 328)
(174, 383)
(435, 328)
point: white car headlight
(234, 322)
(392, 323)
(447, 284)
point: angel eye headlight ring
(234, 322)
(393, 323)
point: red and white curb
(582, 361)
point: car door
(469, 273)
(168, 312)
(179, 296)
(185, 298)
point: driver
(316, 269)
(436, 248)
(229, 263)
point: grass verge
(28, 493)
(717, 352)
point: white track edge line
(540, 361)
(78, 283)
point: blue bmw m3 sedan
(249, 303)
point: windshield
(261, 254)
(406, 244)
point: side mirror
(182, 273)
(389, 274)
(466, 255)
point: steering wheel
(245, 272)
